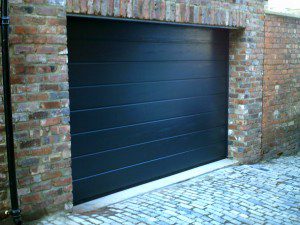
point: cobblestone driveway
(265, 193)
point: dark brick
(29, 162)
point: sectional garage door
(147, 100)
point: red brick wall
(281, 100)
(230, 13)
(39, 77)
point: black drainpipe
(15, 211)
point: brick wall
(40, 83)
(210, 12)
(40, 104)
(281, 103)
(246, 49)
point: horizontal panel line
(147, 142)
(144, 82)
(81, 40)
(153, 160)
(149, 61)
(143, 103)
(149, 122)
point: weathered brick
(25, 30)
(90, 8)
(34, 198)
(62, 181)
(40, 151)
(19, 49)
(51, 105)
(46, 10)
(123, 8)
(29, 161)
(96, 6)
(35, 58)
(50, 121)
(51, 175)
(41, 187)
(281, 102)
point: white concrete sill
(293, 14)
(153, 185)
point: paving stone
(264, 193)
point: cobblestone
(264, 193)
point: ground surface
(264, 193)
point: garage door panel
(142, 152)
(115, 30)
(113, 95)
(109, 182)
(104, 140)
(92, 74)
(146, 100)
(108, 51)
(97, 119)
(157, 109)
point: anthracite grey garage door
(147, 100)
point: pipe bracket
(5, 20)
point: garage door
(147, 100)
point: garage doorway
(147, 100)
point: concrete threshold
(151, 186)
